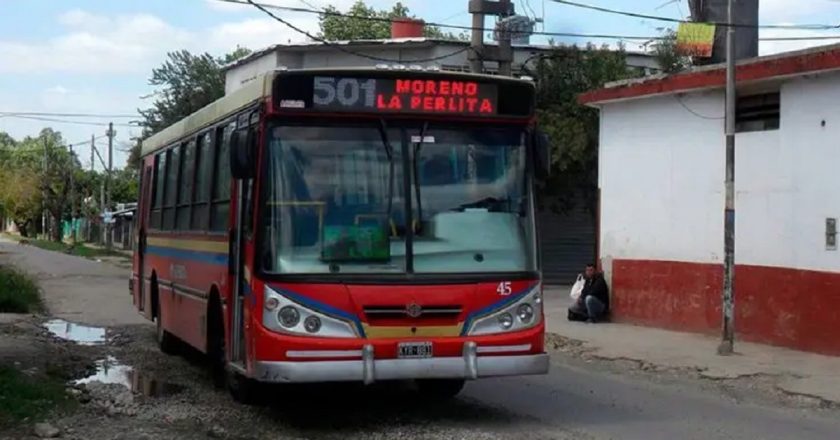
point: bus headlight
(288, 316)
(288, 313)
(522, 313)
(505, 321)
(525, 312)
(312, 324)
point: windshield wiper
(417, 146)
(389, 151)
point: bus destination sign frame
(408, 95)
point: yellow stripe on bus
(218, 247)
(405, 332)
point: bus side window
(203, 171)
(185, 185)
(220, 206)
(160, 173)
(171, 187)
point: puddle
(111, 371)
(81, 334)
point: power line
(392, 20)
(677, 20)
(604, 36)
(265, 6)
(61, 121)
(527, 4)
(71, 115)
(814, 38)
(343, 49)
(699, 115)
(305, 2)
(87, 142)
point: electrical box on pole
(501, 53)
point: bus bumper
(368, 370)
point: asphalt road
(593, 400)
(578, 399)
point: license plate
(414, 350)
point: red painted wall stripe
(794, 308)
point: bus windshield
(334, 200)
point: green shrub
(18, 292)
(24, 397)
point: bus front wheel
(438, 389)
(243, 389)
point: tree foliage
(184, 83)
(561, 77)
(30, 185)
(360, 27)
(666, 53)
(20, 198)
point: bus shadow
(348, 407)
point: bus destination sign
(443, 96)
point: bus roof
(260, 88)
(225, 106)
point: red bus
(348, 225)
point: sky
(95, 56)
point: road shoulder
(794, 372)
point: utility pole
(44, 191)
(108, 237)
(73, 212)
(88, 233)
(503, 54)
(727, 344)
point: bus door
(142, 226)
(241, 235)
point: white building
(662, 156)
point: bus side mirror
(242, 154)
(542, 154)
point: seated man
(594, 301)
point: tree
(20, 198)
(562, 76)
(666, 53)
(185, 83)
(125, 186)
(28, 187)
(55, 177)
(360, 27)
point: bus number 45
(504, 288)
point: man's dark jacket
(597, 287)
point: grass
(18, 292)
(28, 398)
(79, 250)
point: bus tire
(216, 340)
(243, 389)
(166, 341)
(439, 389)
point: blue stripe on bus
(203, 257)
